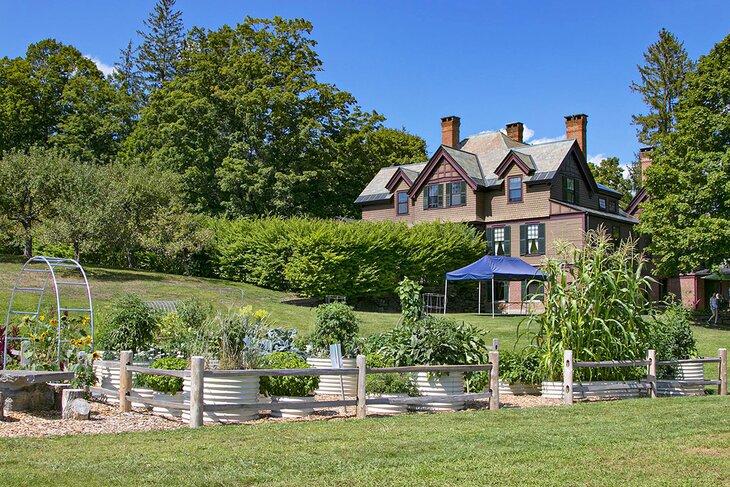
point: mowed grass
(222, 294)
(672, 441)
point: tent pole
(479, 308)
(446, 288)
(492, 297)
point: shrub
(387, 383)
(129, 325)
(596, 306)
(672, 336)
(287, 386)
(435, 341)
(180, 331)
(354, 259)
(334, 323)
(163, 383)
(236, 338)
(523, 367)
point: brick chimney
(515, 131)
(575, 128)
(450, 131)
(645, 159)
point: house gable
(443, 165)
(399, 176)
(523, 161)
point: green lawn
(106, 283)
(672, 441)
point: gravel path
(107, 418)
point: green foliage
(287, 386)
(181, 332)
(596, 303)
(409, 293)
(130, 324)
(520, 367)
(663, 82)
(236, 338)
(387, 383)
(688, 214)
(162, 42)
(672, 337)
(358, 259)
(335, 323)
(163, 383)
(434, 341)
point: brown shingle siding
(534, 202)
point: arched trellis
(38, 275)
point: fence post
(651, 374)
(362, 409)
(495, 343)
(494, 380)
(722, 352)
(197, 365)
(568, 377)
(125, 381)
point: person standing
(714, 303)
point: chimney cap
(647, 149)
(512, 124)
(577, 116)
(449, 118)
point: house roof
(479, 156)
(620, 216)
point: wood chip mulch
(106, 418)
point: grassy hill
(665, 441)
(152, 286)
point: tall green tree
(663, 81)
(31, 182)
(688, 215)
(162, 41)
(130, 86)
(55, 96)
(610, 173)
(251, 130)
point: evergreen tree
(663, 80)
(161, 45)
(130, 86)
(688, 215)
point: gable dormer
(400, 176)
(449, 161)
(523, 161)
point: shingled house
(524, 197)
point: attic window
(570, 189)
(515, 189)
(602, 203)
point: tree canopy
(663, 81)
(688, 215)
(609, 173)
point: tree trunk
(130, 261)
(77, 252)
(28, 250)
(67, 400)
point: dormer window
(515, 189)
(402, 202)
(612, 207)
(602, 203)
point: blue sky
(489, 62)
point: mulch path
(106, 418)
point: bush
(163, 383)
(434, 341)
(409, 293)
(129, 325)
(181, 330)
(387, 383)
(334, 323)
(523, 367)
(235, 337)
(354, 259)
(672, 337)
(287, 386)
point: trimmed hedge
(354, 259)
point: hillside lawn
(668, 441)
(153, 286)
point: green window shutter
(541, 238)
(463, 192)
(523, 239)
(425, 198)
(507, 241)
(448, 195)
(576, 199)
(441, 196)
(565, 187)
(489, 235)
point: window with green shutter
(434, 196)
(501, 241)
(456, 193)
(532, 239)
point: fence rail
(650, 383)
(196, 375)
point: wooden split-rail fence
(197, 375)
(650, 383)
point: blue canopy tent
(493, 267)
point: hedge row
(354, 259)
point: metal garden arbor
(39, 275)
